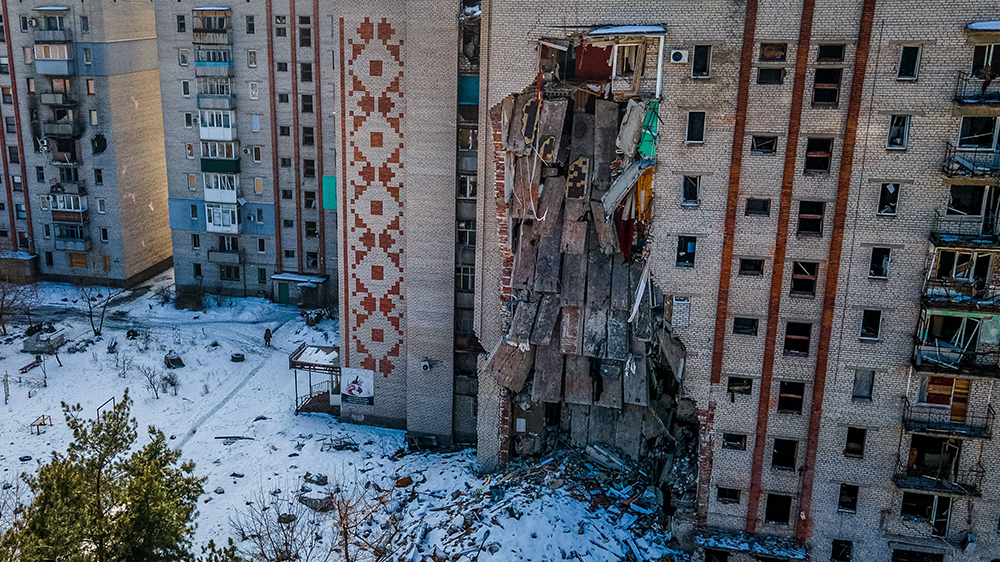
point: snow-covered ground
(218, 398)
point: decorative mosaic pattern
(373, 183)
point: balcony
(212, 36)
(956, 294)
(220, 165)
(963, 482)
(221, 195)
(62, 129)
(971, 162)
(72, 244)
(53, 35)
(945, 359)
(218, 133)
(971, 90)
(58, 99)
(71, 217)
(943, 421)
(225, 256)
(68, 187)
(964, 231)
(215, 101)
(55, 67)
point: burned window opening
(797, 336)
(804, 278)
(790, 397)
(784, 454)
(855, 447)
(735, 441)
(739, 385)
(778, 509)
(848, 500)
(751, 266)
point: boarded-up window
(107, 263)
(681, 313)
(78, 261)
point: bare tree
(124, 361)
(12, 498)
(151, 377)
(11, 299)
(97, 298)
(367, 522)
(29, 301)
(277, 528)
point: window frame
(686, 183)
(707, 72)
(757, 140)
(688, 130)
(916, 63)
(884, 193)
(751, 272)
(868, 315)
(807, 338)
(749, 326)
(887, 261)
(905, 141)
(689, 240)
(765, 213)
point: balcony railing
(953, 293)
(225, 256)
(963, 482)
(942, 357)
(53, 98)
(55, 67)
(52, 35)
(941, 420)
(72, 244)
(61, 129)
(72, 217)
(964, 229)
(68, 187)
(971, 162)
(221, 165)
(212, 36)
(216, 101)
(973, 90)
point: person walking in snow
(267, 337)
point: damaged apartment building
(752, 246)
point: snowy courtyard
(236, 421)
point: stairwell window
(909, 63)
(855, 446)
(888, 199)
(701, 62)
(797, 337)
(899, 132)
(841, 551)
(181, 24)
(695, 127)
(826, 87)
(819, 153)
(252, 58)
(848, 500)
(251, 27)
(686, 249)
(878, 267)
(784, 454)
(811, 218)
(306, 72)
(254, 90)
(871, 324)
(864, 380)
(184, 57)
(830, 53)
(690, 191)
(791, 397)
(778, 509)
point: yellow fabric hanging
(644, 194)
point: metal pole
(296, 371)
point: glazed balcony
(221, 165)
(216, 101)
(972, 90)
(62, 129)
(70, 217)
(208, 36)
(954, 294)
(59, 99)
(962, 482)
(964, 231)
(944, 421)
(55, 67)
(942, 358)
(226, 256)
(971, 162)
(52, 35)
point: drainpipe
(659, 69)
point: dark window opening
(848, 500)
(686, 247)
(879, 266)
(727, 495)
(977, 132)
(753, 267)
(778, 509)
(745, 326)
(735, 441)
(826, 87)
(804, 278)
(797, 336)
(770, 76)
(909, 62)
(791, 396)
(690, 191)
(702, 62)
(871, 324)
(739, 385)
(855, 447)
(716, 555)
(784, 455)
(811, 218)
(888, 199)
(966, 200)
(841, 551)
(864, 380)
(819, 153)
(758, 208)
(927, 508)
(773, 52)
(830, 53)
(696, 127)
(763, 145)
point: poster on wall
(357, 386)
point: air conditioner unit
(43, 144)
(246, 151)
(678, 56)
(32, 22)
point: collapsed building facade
(752, 245)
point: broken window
(728, 495)
(626, 60)
(696, 127)
(888, 199)
(686, 246)
(778, 509)
(745, 326)
(804, 278)
(871, 324)
(927, 508)
(770, 76)
(811, 218)
(841, 551)
(797, 336)
(784, 454)
(826, 87)
(855, 447)
(864, 380)
(739, 385)
(690, 191)
(758, 208)
(773, 52)
(966, 200)
(955, 331)
(830, 53)
(982, 56)
(879, 265)
(701, 64)
(964, 267)
(819, 153)
(909, 63)
(466, 232)
(735, 441)
(848, 498)
(754, 267)
(763, 145)
(978, 132)
(899, 132)
(790, 397)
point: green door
(282, 293)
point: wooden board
(545, 320)
(617, 345)
(547, 386)
(605, 133)
(527, 175)
(523, 275)
(636, 383)
(579, 424)
(523, 322)
(550, 128)
(641, 326)
(581, 154)
(549, 258)
(595, 331)
(549, 207)
(515, 137)
(574, 279)
(628, 431)
(510, 366)
(611, 378)
(574, 235)
(571, 330)
(579, 384)
(606, 237)
(620, 297)
(603, 425)
(598, 301)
